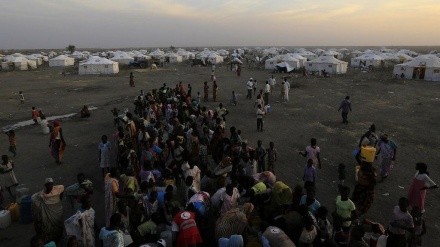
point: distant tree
(71, 48)
(172, 48)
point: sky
(54, 24)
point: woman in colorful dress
(417, 190)
(57, 143)
(363, 194)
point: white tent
(367, 60)
(21, 63)
(334, 53)
(77, 54)
(302, 60)
(98, 65)
(122, 58)
(61, 61)
(307, 54)
(285, 65)
(271, 63)
(37, 60)
(423, 67)
(185, 54)
(156, 54)
(328, 63)
(173, 58)
(214, 58)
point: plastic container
(368, 154)
(268, 109)
(5, 219)
(21, 192)
(26, 210)
(14, 210)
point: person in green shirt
(345, 211)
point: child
(21, 97)
(115, 112)
(271, 157)
(104, 154)
(7, 174)
(415, 238)
(309, 173)
(345, 210)
(234, 99)
(12, 142)
(324, 226)
(198, 98)
(260, 153)
(189, 90)
(34, 115)
(341, 174)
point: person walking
(312, 152)
(272, 83)
(421, 183)
(260, 115)
(387, 151)
(249, 86)
(260, 156)
(346, 107)
(131, 79)
(271, 157)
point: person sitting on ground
(85, 112)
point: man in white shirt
(267, 91)
(272, 83)
(287, 88)
(250, 86)
(260, 114)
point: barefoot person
(57, 143)
(131, 79)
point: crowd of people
(183, 177)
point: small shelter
(330, 64)
(98, 65)
(367, 60)
(423, 67)
(122, 58)
(61, 61)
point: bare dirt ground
(407, 110)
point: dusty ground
(406, 110)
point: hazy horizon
(92, 24)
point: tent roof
(327, 59)
(61, 57)
(423, 60)
(369, 57)
(98, 60)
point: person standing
(346, 107)
(260, 115)
(260, 156)
(205, 91)
(309, 176)
(214, 91)
(249, 86)
(401, 222)
(312, 152)
(255, 86)
(287, 89)
(421, 183)
(271, 157)
(104, 154)
(131, 79)
(34, 115)
(267, 91)
(272, 83)
(12, 142)
(238, 70)
(7, 174)
(57, 143)
(47, 211)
